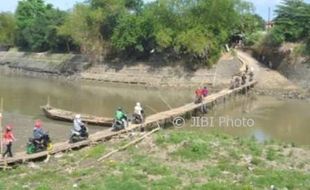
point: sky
(261, 6)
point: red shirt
(8, 136)
(199, 92)
(205, 92)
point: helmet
(8, 127)
(38, 124)
(119, 108)
(138, 104)
(77, 116)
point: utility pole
(268, 25)
(268, 14)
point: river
(274, 119)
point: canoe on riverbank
(64, 115)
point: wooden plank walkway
(161, 118)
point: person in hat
(120, 116)
(8, 139)
(77, 123)
(38, 131)
(138, 114)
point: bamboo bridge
(161, 118)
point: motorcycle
(77, 136)
(243, 80)
(198, 99)
(120, 124)
(38, 145)
(251, 76)
(237, 82)
(137, 118)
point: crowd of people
(200, 94)
(40, 139)
(121, 119)
(39, 136)
(80, 131)
(242, 78)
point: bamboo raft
(161, 118)
(64, 115)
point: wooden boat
(64, 115)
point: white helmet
(77, 116)
(138, 104)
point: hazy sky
(261, 5)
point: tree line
(291, 24)
(195, 30)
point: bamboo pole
(165, 102)
(48, 101)
(127, 145)
(1, 131)
(152, 109)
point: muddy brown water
(263, 117)
(24, 95)
(274, 119)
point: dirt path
(268, 79)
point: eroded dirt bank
(150, 73)
(156, 74)
(57, 64)
(272, 82)
(288, 61)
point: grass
(96, 151)
(271, 154)
(181, 160)
(167, 182)
(281, 179)
(194, 149)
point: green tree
(26, 13)
(190, 29)
(7, 29)
(36, 26)
(293, 19)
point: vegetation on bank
(196, 31)
(291, 24)
(171, 159)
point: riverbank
(151, 73)
(273, 83)
(45, 63)
(288, 60)
(171, 159)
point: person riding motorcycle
(79, 131)
(40, 137)
(232, 83)
(237, 81)
(38, 132)
(243, 79)
(199, 95)
(138, 113)
(251, 74)
(205, 91)
(78, 125)
(120, 120)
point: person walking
(8, 139)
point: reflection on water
(286, 121)
(274, 119)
